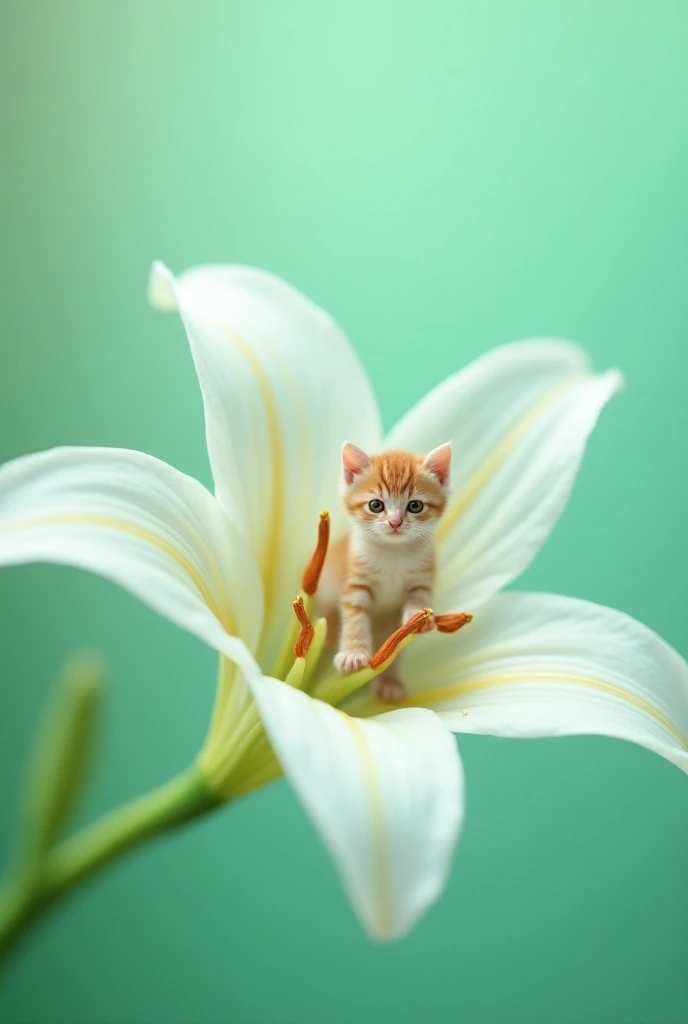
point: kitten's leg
(388, 686)
(330, 613)
(417, 598)
(356, 643)
(332, 619)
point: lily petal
(283, 390)
(137, 521)
(519, 419)
(386, 796)
(542, 665)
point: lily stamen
(311, 576)
(392, 642)
(307, 631)
(452, 623)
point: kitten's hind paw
(350, 661)
(391, 691)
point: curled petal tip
(161, 291)
(615, 379)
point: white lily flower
(282, 390)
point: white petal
(386, 796)
(541, 665)
(139, 522)
(519, 419)
(283, 389)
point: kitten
(383, 571)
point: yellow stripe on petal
(380, 853)
(464, 689)
(375, 791)
(132, 530)
(269, 564)
(498, 456)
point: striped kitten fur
(382, 572)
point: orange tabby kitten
(383, 571)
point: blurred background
(442, 177)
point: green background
(442, 177)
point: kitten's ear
(438, 462)
(354, 462)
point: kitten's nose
(395, 523)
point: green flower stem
(29, 893)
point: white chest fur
(392, 569)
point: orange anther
(391, 643)
(452, 623)
(311, 576)
(306, 633)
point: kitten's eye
(415, 506)
(375, 505)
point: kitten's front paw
(426, 625)
(391, 691)
(350, 661)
